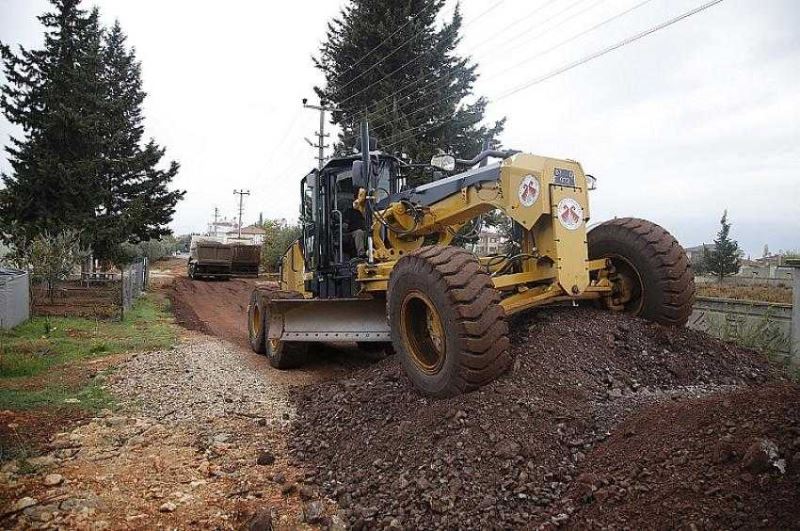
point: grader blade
(361, 320)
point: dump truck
(209, 259)
(245, 259)
(396, 280)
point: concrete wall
(737, 319)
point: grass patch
(90, 398)
(757, 292)
(46, 342)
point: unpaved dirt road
(219, 308)
(198, 439)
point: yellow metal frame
(556, 266)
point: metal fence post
(794, 263)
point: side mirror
(444, 162)
(359, 179)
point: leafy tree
(724, 259)
(52, 257)
(279, 236)
(414, 88)
(81, 163)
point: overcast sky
(677, 127)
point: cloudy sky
(700, 117)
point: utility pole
(241, 194)
(216, 220)
(321, 134)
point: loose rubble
(512, 454)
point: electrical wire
(572, 65)
(361, 91)
(609, 49)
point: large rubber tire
(662, 269)
(280, 354)
(447, 325)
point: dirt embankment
(602, 420)
(217, 308)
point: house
(250, 235)
(489, 242)
(696, 253)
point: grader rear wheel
(652, 277)
(280, 354)
(446, 323)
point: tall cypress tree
(391, 61)
(82, 163)
(725, 258)
(136, 203)
(54, 95)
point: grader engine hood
(552, 196)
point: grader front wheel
(281, 354)
(651, 274)
(447, 326)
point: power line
(413, 60)
(576, 36)
(395, 32)
(609, 49)
(526, 32)
(568, 67)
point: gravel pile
(505, 456)
(200, 380)
(729, 461)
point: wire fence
(134, 281)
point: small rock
(168, 507)
(307, 493)
(51, 480)
(265, 458)
(261, 521)
(279, 478)
(288, 488)
(312, 512)
(24, 503)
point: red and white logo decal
(528, 190)
(570, 213)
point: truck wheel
(191, 271)
(281, 354)
(446, 323)
(652, 274)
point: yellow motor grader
(376, 264)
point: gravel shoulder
(197, 442)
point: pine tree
(53, 94)
(136, 202)
(82, 163)
(724, 259)
(414, 88)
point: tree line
(81, 165)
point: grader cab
(375, 264)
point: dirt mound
(730, 460)
(213, 307)
(505, 455)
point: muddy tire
(447, 325)
(651, 265)
(191, 271)
(280, 354)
